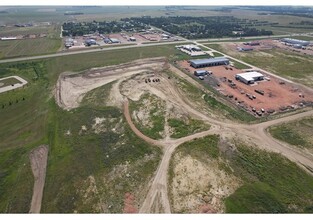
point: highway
(67, 53)
(183, 40)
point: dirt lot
(71, 88)
(197, 185)
(38, 158)
(278, 95)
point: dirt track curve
(158, 192)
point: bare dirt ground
(278, 95)
(156, 199)
(38, 158)
(71, 88)
(197, 185)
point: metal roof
(295, 41)
(250, 75)
(209, 61)
(200, 71)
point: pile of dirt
(200, 184)
(129, 204)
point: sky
(157, 2)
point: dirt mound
(129, 206)
(206, 209)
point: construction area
(253, 90)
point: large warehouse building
(295, 41)
(249, 77)
(199, 63)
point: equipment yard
(263, 97)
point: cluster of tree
(302, 23)
(205, 27)
(11, 102)
(281, 9)
(104, 27)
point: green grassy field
(298, 133)
(273, 184)
(29, 118)
(28, 47)
(270, 182)
(287, 64)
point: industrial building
(295, 41)
(249, 77)
(199, 63)
(132, 39)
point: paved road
(59, 54)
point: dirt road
(157, 196)
(158, 192)
(255, 132)
(38, 159)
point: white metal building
(249, 77)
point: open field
(30, 118)
(298, 133)
(28, 47)
(291, 65)
(239, 179)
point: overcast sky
(156, 2)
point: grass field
(270, 182)
(28, 47)
(23, 127)
(29, 118)
(287, 64)
(273, 184)
(298, 133)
